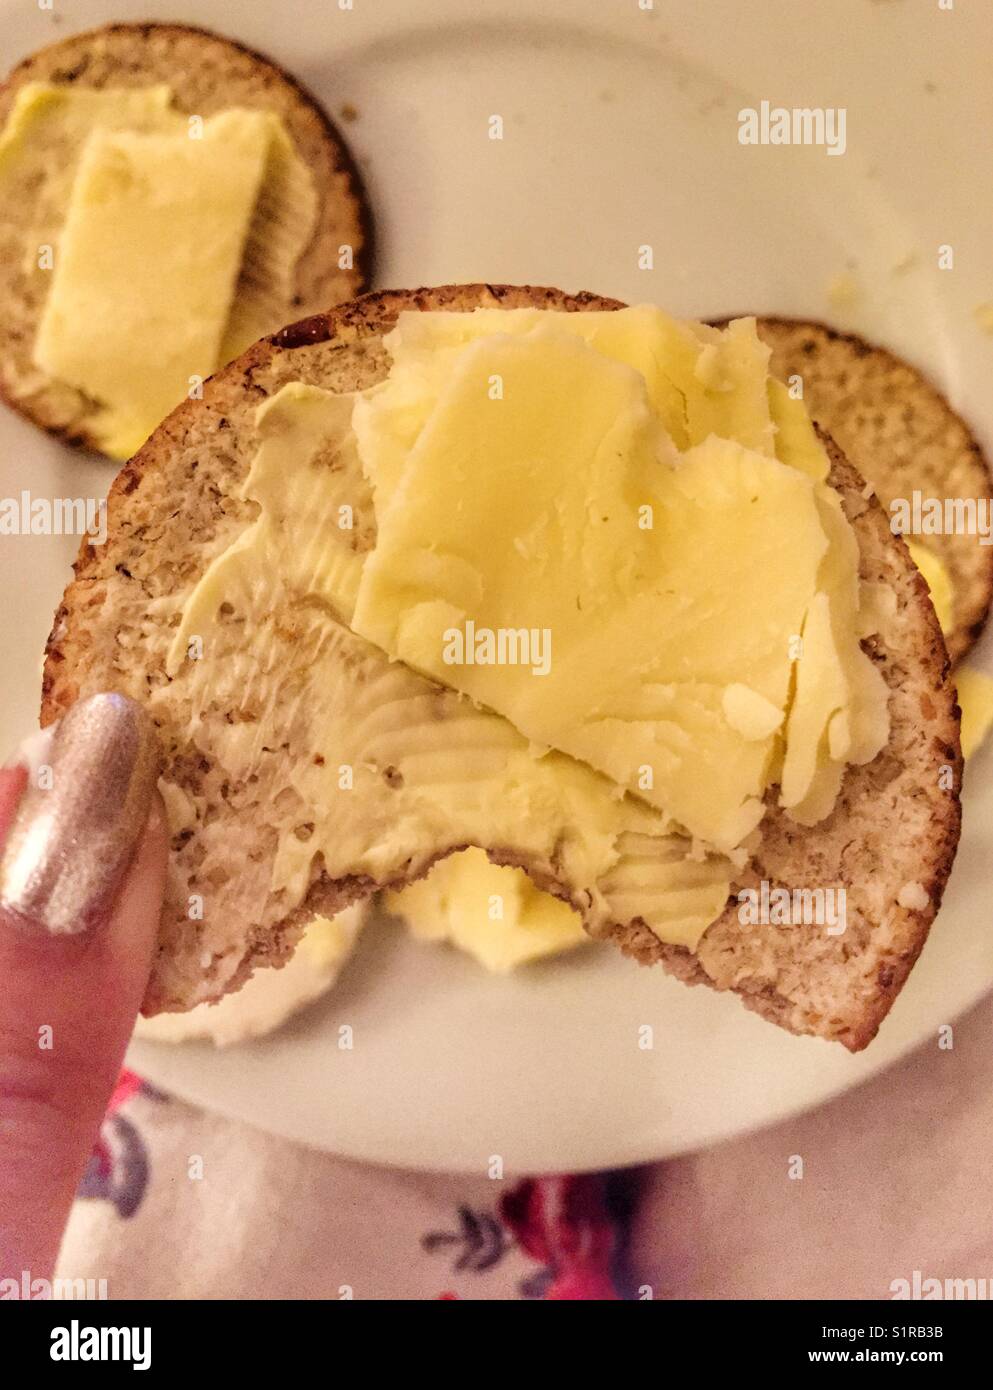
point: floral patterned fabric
(176, 1203)
(897, 1176)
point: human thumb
(81, 882)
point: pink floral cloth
(178, 1204)
(897, 1177)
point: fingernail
(81, 817)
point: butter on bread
(902, 435)
(895, 826)
(206, 74)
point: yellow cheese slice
(938, 580)
(58, 118)
(839, 713)
(493, 913)
(796, 439)
(147, 269)
(169, 214)
(975, 691)
(733, 370)
(698, 381)
(527, 514)
(821, 693)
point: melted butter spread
(576, 475)
(175, 245)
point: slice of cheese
(167, 213)
(493, 913)
(698, 381)
(975, 692)
(167, 263)
(551, 511)
(839, 711)
(821, 693)
(733, 370)
(796, 439)
(938, 580)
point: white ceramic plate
(620, 131)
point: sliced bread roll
(177, 505)
(207, 74)
(903, 436)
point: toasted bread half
(890, 841)
(206, 73)
(898, 430)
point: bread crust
(838, 988)
(104, 56)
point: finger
(81, 885)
